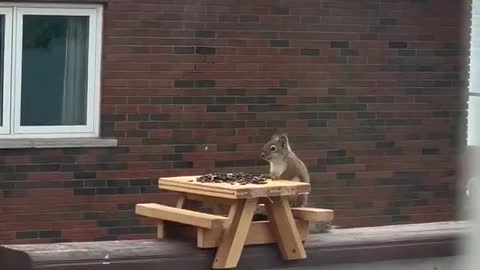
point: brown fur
(285, 165)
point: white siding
(474, 89)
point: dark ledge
(340, 246)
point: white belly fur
(277, 168)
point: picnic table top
(188, 184)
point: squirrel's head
(276, 148)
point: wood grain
(233, 240)
(167, 213)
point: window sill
(341, 246)
(57, 143)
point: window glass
(54, 70)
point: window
(50, 70)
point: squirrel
(285, 165)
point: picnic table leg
(233, 239)
(285, 229)
(181, 202)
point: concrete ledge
(57, 143)
(359, 245)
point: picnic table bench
(230, 230)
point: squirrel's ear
(283, 139)
(277, 134)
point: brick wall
(370, 92)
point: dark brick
(447, 52)
(216, 108)
(126, 206)
(391, 211)
(407, 53)
(205, 50)
(205, 34)
(339, 44)
(142, 230)
(95, 183)
(84, 175)
(279, 43)
(248, 19)
(365, 115)
(127, 190)
(310, 52)
(236, 92)
(280, 11)
(184, 148)
(203, 100)
(363, 205)
(142, 182)
(225, 100)
(317, 123)
(117, 183)
(13, 193)
(336, 153)
(160, 116)
(288, 83)
(368, 36)
(348, 52)
(384, 145)
(204, 83)
(105, 191)
(398, 44)
(430, 151)
(84, 191)
(327, 115)
(342, 176)
(182, 164)
(108, 223)
(50, 234)
(105, 238)
(149, 189)
(340, 160)
(224, 163)
(26, 235)
(160, 100)
(245, 163)
(424, 68)
(183, 50)
(402, 218)
(227, 148)
(118, 231)
(184, 84)
(388, 21)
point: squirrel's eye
(273, 148)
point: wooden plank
(209, 199)
(190, 190)
(225, 190)
(181, 201)
(160, 229)
(233, 240)
(183, 216)
(285, 229)
(313, 214)
(259, 234)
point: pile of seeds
(233, 178)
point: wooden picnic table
(231, 230)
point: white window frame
(5, 128)
(12, 85)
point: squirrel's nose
(262, 154)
